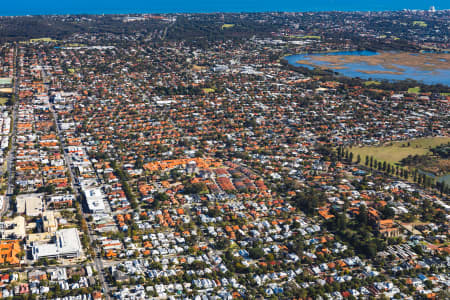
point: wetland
(429, 68)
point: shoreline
(325, 8)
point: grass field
(74, 45)
(44, 39)
(420, 23)
(3, 100)
(414, 90)
(227, 26)
(396, 152)
(372, 82)
(310, 37)
(209, 90)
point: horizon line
(214, 12)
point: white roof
(67, 242)
(94, 199)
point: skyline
(51, 7)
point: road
(12, 150)
(97, 260)
(30, 268)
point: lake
(444, 178)
(428, 68)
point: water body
(445, 178)
(24, 7)
(353, 69)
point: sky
(24, 7)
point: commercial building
(66, 244)
(14, 228)
(94, 199)
(30, 204)
(61, 200)
(49, 221)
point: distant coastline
(52, 7)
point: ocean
(46, 7)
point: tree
(75, 278)
(222, 243)
(308, 201)
(370, 249)
(341, 221)
(362, 215)
(256, 253)
(158, 198)
(194, 188)
(405, 174)
(388, 212)
(139, 163)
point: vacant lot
(199, 68)
(393, 153)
